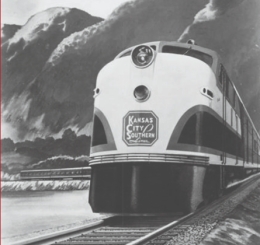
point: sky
(19, 11)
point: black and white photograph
(131, 122)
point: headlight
(142, 56)
(141, 93)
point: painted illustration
(130, 122)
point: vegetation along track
(152, 230)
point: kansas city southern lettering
(132, 119)
(140, 131)
(140, 128)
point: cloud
(214, 9)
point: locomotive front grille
(146, 157)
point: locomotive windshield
(189, 52)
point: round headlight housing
(141, 93)
(142, 56)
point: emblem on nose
(143, 56)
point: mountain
(24, 56)
(27, 51)
(47, 96)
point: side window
(230, 91)
(227, 85)
(255, 148)
(221, 77)
(255, 145)
(226, 88)
(250, 142)
(237, 105)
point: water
(28, 212)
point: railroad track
(152, 230)
(120, 230)
(110, 231)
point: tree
(69, 134)
(7, 145)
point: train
(56, 174)
(170, 131)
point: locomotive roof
(160, 44)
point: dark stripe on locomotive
(201, 126)
(102, 137)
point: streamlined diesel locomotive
(170, 131)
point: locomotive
(170, 131)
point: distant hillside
(62, 162)
(18, 156)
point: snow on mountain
(40, 23)
(59, 94)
